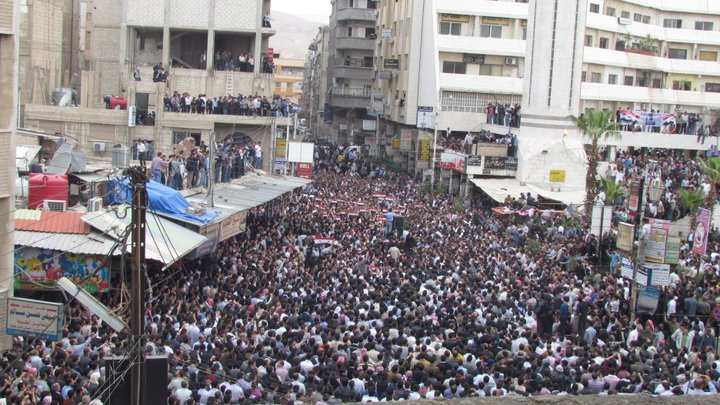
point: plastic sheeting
(163, 200)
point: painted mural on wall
(37, 269)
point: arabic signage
(557, 176)
(391, 63)
(386, 32)
(626, 269)
(305, 170)
(625, 236)
(38, 269)
(37, 319)
(658, 274)
(501, 162)
(474, 161)
(425, 117)
(280, 144)
(406, 140)
(454, 18)
(233, 225)
(211, 232)
(496, 21)
(453, 161)
(425, 149)
(702, 228)
(672, 250)
(490, 149)
(655, 249)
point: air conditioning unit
(95, 204)
(624, 21)
(511, 61)
(391, 40)
(54, 205)
(99, 146)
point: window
(454, 67)
(595, 77)
(450, 28)
(462, 101)
(684, 85)
(646, 19)
(629, 80)
(490, 31)
(588, 40)
(349, 32)
(676, 53)
(594, 8)
(712, 87)
(625, 14)
(610, 11)
(612, 79)
(604, 43)
(583, 77)
(179, 136)
(708, 56)
(491, 70)
(672, 23)
(524, 37)
(704, 25)
(637, 17)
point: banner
(625, 236)
(452, 161)
(644, 118)
(647, 301)
(626, 269)
(655, 250)
(702, 228)
(634, 200)
(425, 149)
(557, 176)
(280, 145)
(672, 250)
(658, 274)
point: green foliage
(459, 205)
(711, 168)
(438, 188)
(596, 125)
(533, 246)
(613, 190)
(691, 200)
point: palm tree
(691, 200)
(594, 125)
(613, 190)
(711, 169)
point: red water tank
(44, 186)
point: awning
(165, 241)
(251, 191)
(24, 154)
(499, 189)
(84, 244)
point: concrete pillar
(210, 51)
(257, 53)
(166, 47)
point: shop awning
(83, 244)
(499, 189)
(166, 242)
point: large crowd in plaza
(322, 301)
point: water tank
(45, 186)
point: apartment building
(9, 57)
(316, 86)
(199, 43)
(289, 77)
(350, 68)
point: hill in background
(294, 35)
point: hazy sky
(316, 10)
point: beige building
(315, 83)
(9, 45)
(289, 77)
(197, 42)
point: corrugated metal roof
(24, 154)
(166, 241)
(90, 244)
(50, 221)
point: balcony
(640, 30)
(359, 43)
(636, 94)
(351, 97)
(356, 14)
(486, 46)
(505, 9)
(355, 68)
(656, 140)
(481, 84)
(634, 60)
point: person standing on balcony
(266, 21)
(203, 60)
(251, 63)
(142, 152)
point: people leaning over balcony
(681, 122)
(243, 62)
(255, 106)
(503, 114)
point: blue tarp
(163, 200)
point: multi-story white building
(479, 51)
(627, 54)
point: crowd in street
(365, 288)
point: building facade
(9, 57)
(289, 77)
(210, 48)
(455, 58)
(350, 68)
(316, 85)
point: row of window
(673, 53)
(655, 81)
(461, 101)
(461, 69)
(486, 30)
(645, 19)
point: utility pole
(211, 176)
(287, 148)
(273, 145)
(137, 289)
(432, 161)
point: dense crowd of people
(365, 288)
(245, 105)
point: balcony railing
(351, 92)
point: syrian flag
(669, 119)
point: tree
(711, 168)
(613, 190)
(691, 200)
(594, 125)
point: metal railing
(351, 92)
